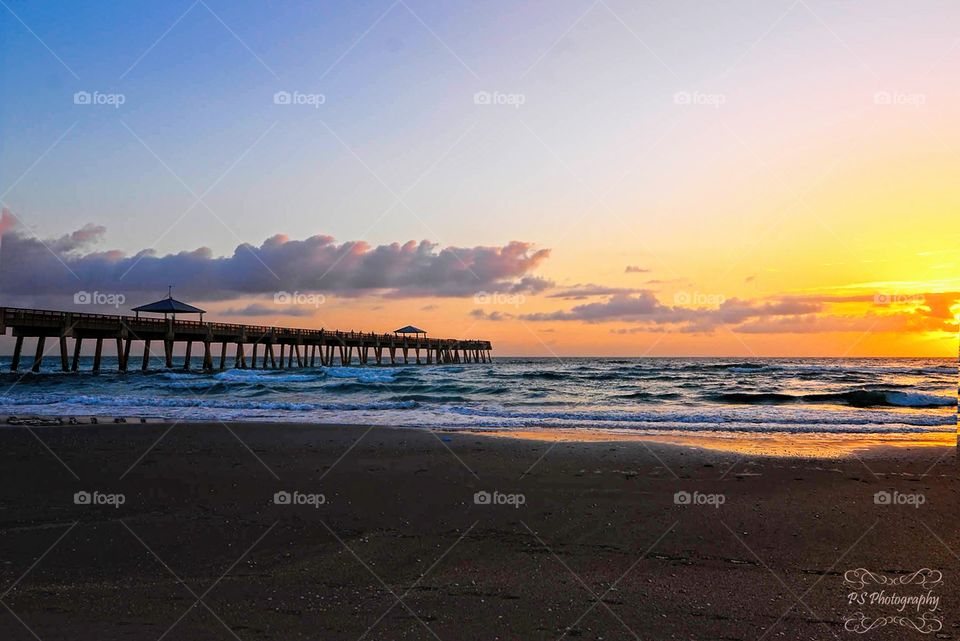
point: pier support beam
(77, 342)
(38, 357)
(15, 363)
(64, 360)
(223, 355)
(126, 353)
(145, 363)
(98, 352)
(207, 357)
(168, 352)
(253, 358)
(283, 350)
(241, 355)
(186, 356)
(121, 364)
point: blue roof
(169, 306)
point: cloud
(64, 265)
(635, 269)
(777, 314)
(580, 292)
(642, 306)
(483, 314)
(259, 309)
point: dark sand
(599, 550)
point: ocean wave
(853, 398)
(132, 402)
(362, 374)
(650, 396)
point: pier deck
(297, 347)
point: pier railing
(307, 346)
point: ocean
(653, 395)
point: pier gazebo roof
(169, 305)
(410, 329)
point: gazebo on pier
(410, 329)
(169, 305)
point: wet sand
(590, 539)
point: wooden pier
(296, 347)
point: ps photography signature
(884, 600)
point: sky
(590, 177)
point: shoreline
(772, 444)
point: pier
(268, 347)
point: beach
(387, 533)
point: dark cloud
(30, 266)
(635, 269)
